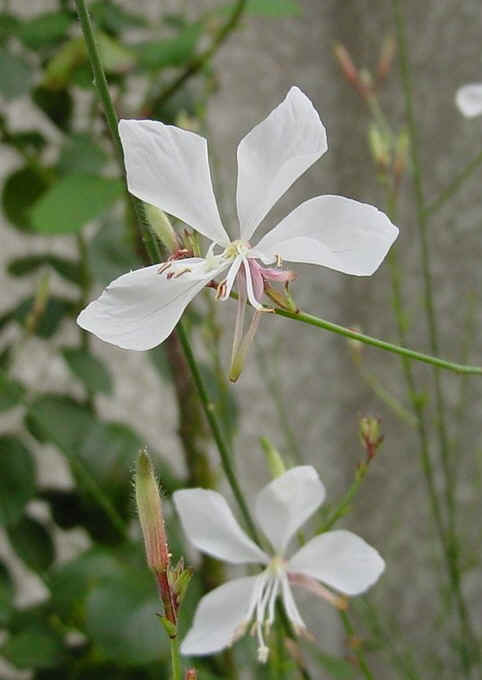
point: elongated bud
(387, 53)
(379, 146)
(191, 674)
(161, 226)
(346, 64)
(273, 458)
(151, 518)
(370, 435)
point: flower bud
(379, 146)
(273, 458)
(161, 226)
(387, 53)
(150, 515)
(401, 154)
(191, 674)
(370, 435)
(347, 66)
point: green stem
(375, 342)
(452, 188)
(202, 59)
(389, 399)
(449, 473)
(360, 655)
(343, 506)
(175, 661)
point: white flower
(168, 167)
(469, 100)
(338, 559)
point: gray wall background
(323, 392)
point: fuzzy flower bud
(370, 435)
(191, 674)
(346, 63)
(151, 518)
(273, 458)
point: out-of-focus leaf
(27, 139)
(182, 101)
(81, 154)
(11, 392)
(6, 594)
(17, 481)
(32, 543)
(160, 361)
(20, 191)
(56, 104)
(34, 648)
(73, 201)
(221, 395)
(111, 252)
(270, 8)
(337, 668)
(44, 29)
(15, 75)
(88, 369)
(156, 54)
(48, 322)
(114, 19)
(121, 618)
(8, 24)
(68, 269)
(116, 58)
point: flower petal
(287, 502)
(139, 310)
(341, 560)
(274, 154)
(469, 100)
(169, 167)
(211, 527)
(221, 617)
(332, 231)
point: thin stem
(208, 408)
(453, 187)
(375, 342)
(175, 661)
(449, 473)
(360, 655)
(202, 59)
(389, 399)
(344, 505)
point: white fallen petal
(285, 504)
(140, 309)
(169, 167)
(469, 100)
(221, 617)
(211, 527)
(339, 559)
(332, 231)
(274, 154)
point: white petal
(169, 167)
(287, 502)
(341, 560)
(332, 231)
(140, 309)
(211, 527)
(290, 605)
(274, 154)
(469, 100)
(221, 617)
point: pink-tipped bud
(191, 674)
(346, 64)
(370, 435)
(151, 518)
(387, 54)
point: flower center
(236, 248)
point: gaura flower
(469, 100)
(168, 168)
(338, 559)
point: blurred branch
(452, 188)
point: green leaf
(29, 140)
(32, 543)
(8, 25)
(116, 58)
(47, 324)
(74, 201)
(21, 190)
(11, 392)
(6, 594)
(270, 8)
(337, 668)
(114, 19)
(44, 29)
(88, 369)
(34, 648)
(81, 154)
(121, 618)
(111, 253)
(68, 269)
(17, 481)
(156, 54)
(15, 75)
(56, 104)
